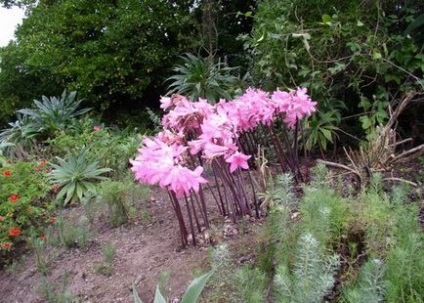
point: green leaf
(376, 55)
(366, 122)
(195, 288)
(327, 134)
(136, 296)
(414, 25)
(159, 297)
(365, 103)
(326, 19)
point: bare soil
(144, 249)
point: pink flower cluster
(211, 131)
(162, 162)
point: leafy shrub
(311, 276)
(45, 120)
(121, 197)
(350, 55)
(106, 266)
(72, 232)
(56, 291)
(251, 285)
(18, 140)
(24, 200)
(111, 148)
(369, 286)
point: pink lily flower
(238, 160)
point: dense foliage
(116, 54)
(354, 56)
(24, 200)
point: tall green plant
(18, 140)
(199, 78)
(370, 284)
(312, 275)
(76, 175)
(52, 114)
(120, 198)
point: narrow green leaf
(327, 134)
(136, 296)
(195, 288)
(414, 24)
(159, 297)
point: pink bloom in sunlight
(196, 146)
(165, 103)
(162, 163)
(303, 101)
(181, 180)
(96, 128)
(238, 160)
(154, 160)
(212, 150)
(281, 100)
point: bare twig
(393, 118)
(338, 165)
(409, 154)
(401, 180)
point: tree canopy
(116, 54)
(353, 56)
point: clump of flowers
(197, 135)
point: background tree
(20, 3)
(352, 55)
(116, 54)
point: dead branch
(401, 180)
(393, 118)
(338, 165)
(409, 155)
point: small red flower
(55, 187)
(1, 218)
(7, 173)
(13, 198)
(6, 246)
(42, 163)
(14, 232)
(43, 237)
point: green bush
(111, 148)
(353, 56)
(25, 200)
(121, 198)
(76, 176)
(363, 248)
